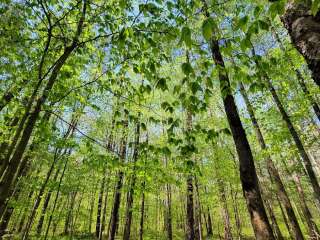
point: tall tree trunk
(119, 183)
(273, 218)
(191, 233)
(9, 176)
(103, 222)
(168, 212)
(210, 228)
(46, 204)
(92, 201)
(39, 196)
(248, 175)
(313, 230)
(100, 199)
(225, 211)
(273, 171)
(298, 142)
(285, 219)
(236, 211)
(129, 207)
(142, 213)
(56, 197)
(68, 221)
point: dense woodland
(152, 119)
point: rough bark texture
(304, 30)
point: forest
(159, 119)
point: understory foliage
(151, 119)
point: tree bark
(10, 174)
(129, 207)
(273, 171)
(304, 30)
(297, 140)
(313, 229)
(100, 199)
(248, 175)
(117, 195)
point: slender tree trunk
(117, 195)
(210, 228)
(91, 209)
(300, 78)
(236, 211)
(9, 176)
(39, 196)
(100, 199)
(285, 219)
(248, 175)
(142, 210)
(104, 212)
(68, 222)
(191, 232)
(45, 205)
(56, 198)
(274, 174)
(168, 212)
(298, 142)
(129, 208)
(225, 211)
(313, 230)
(274, 221)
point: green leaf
(263, 25)
(315, 7)
(162, 84)
(186, 36)
(208, 26)
(242, 24)
(186, 68)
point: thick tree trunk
(304, 30)
(274, 174)
(198, 213)
(248, 175)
